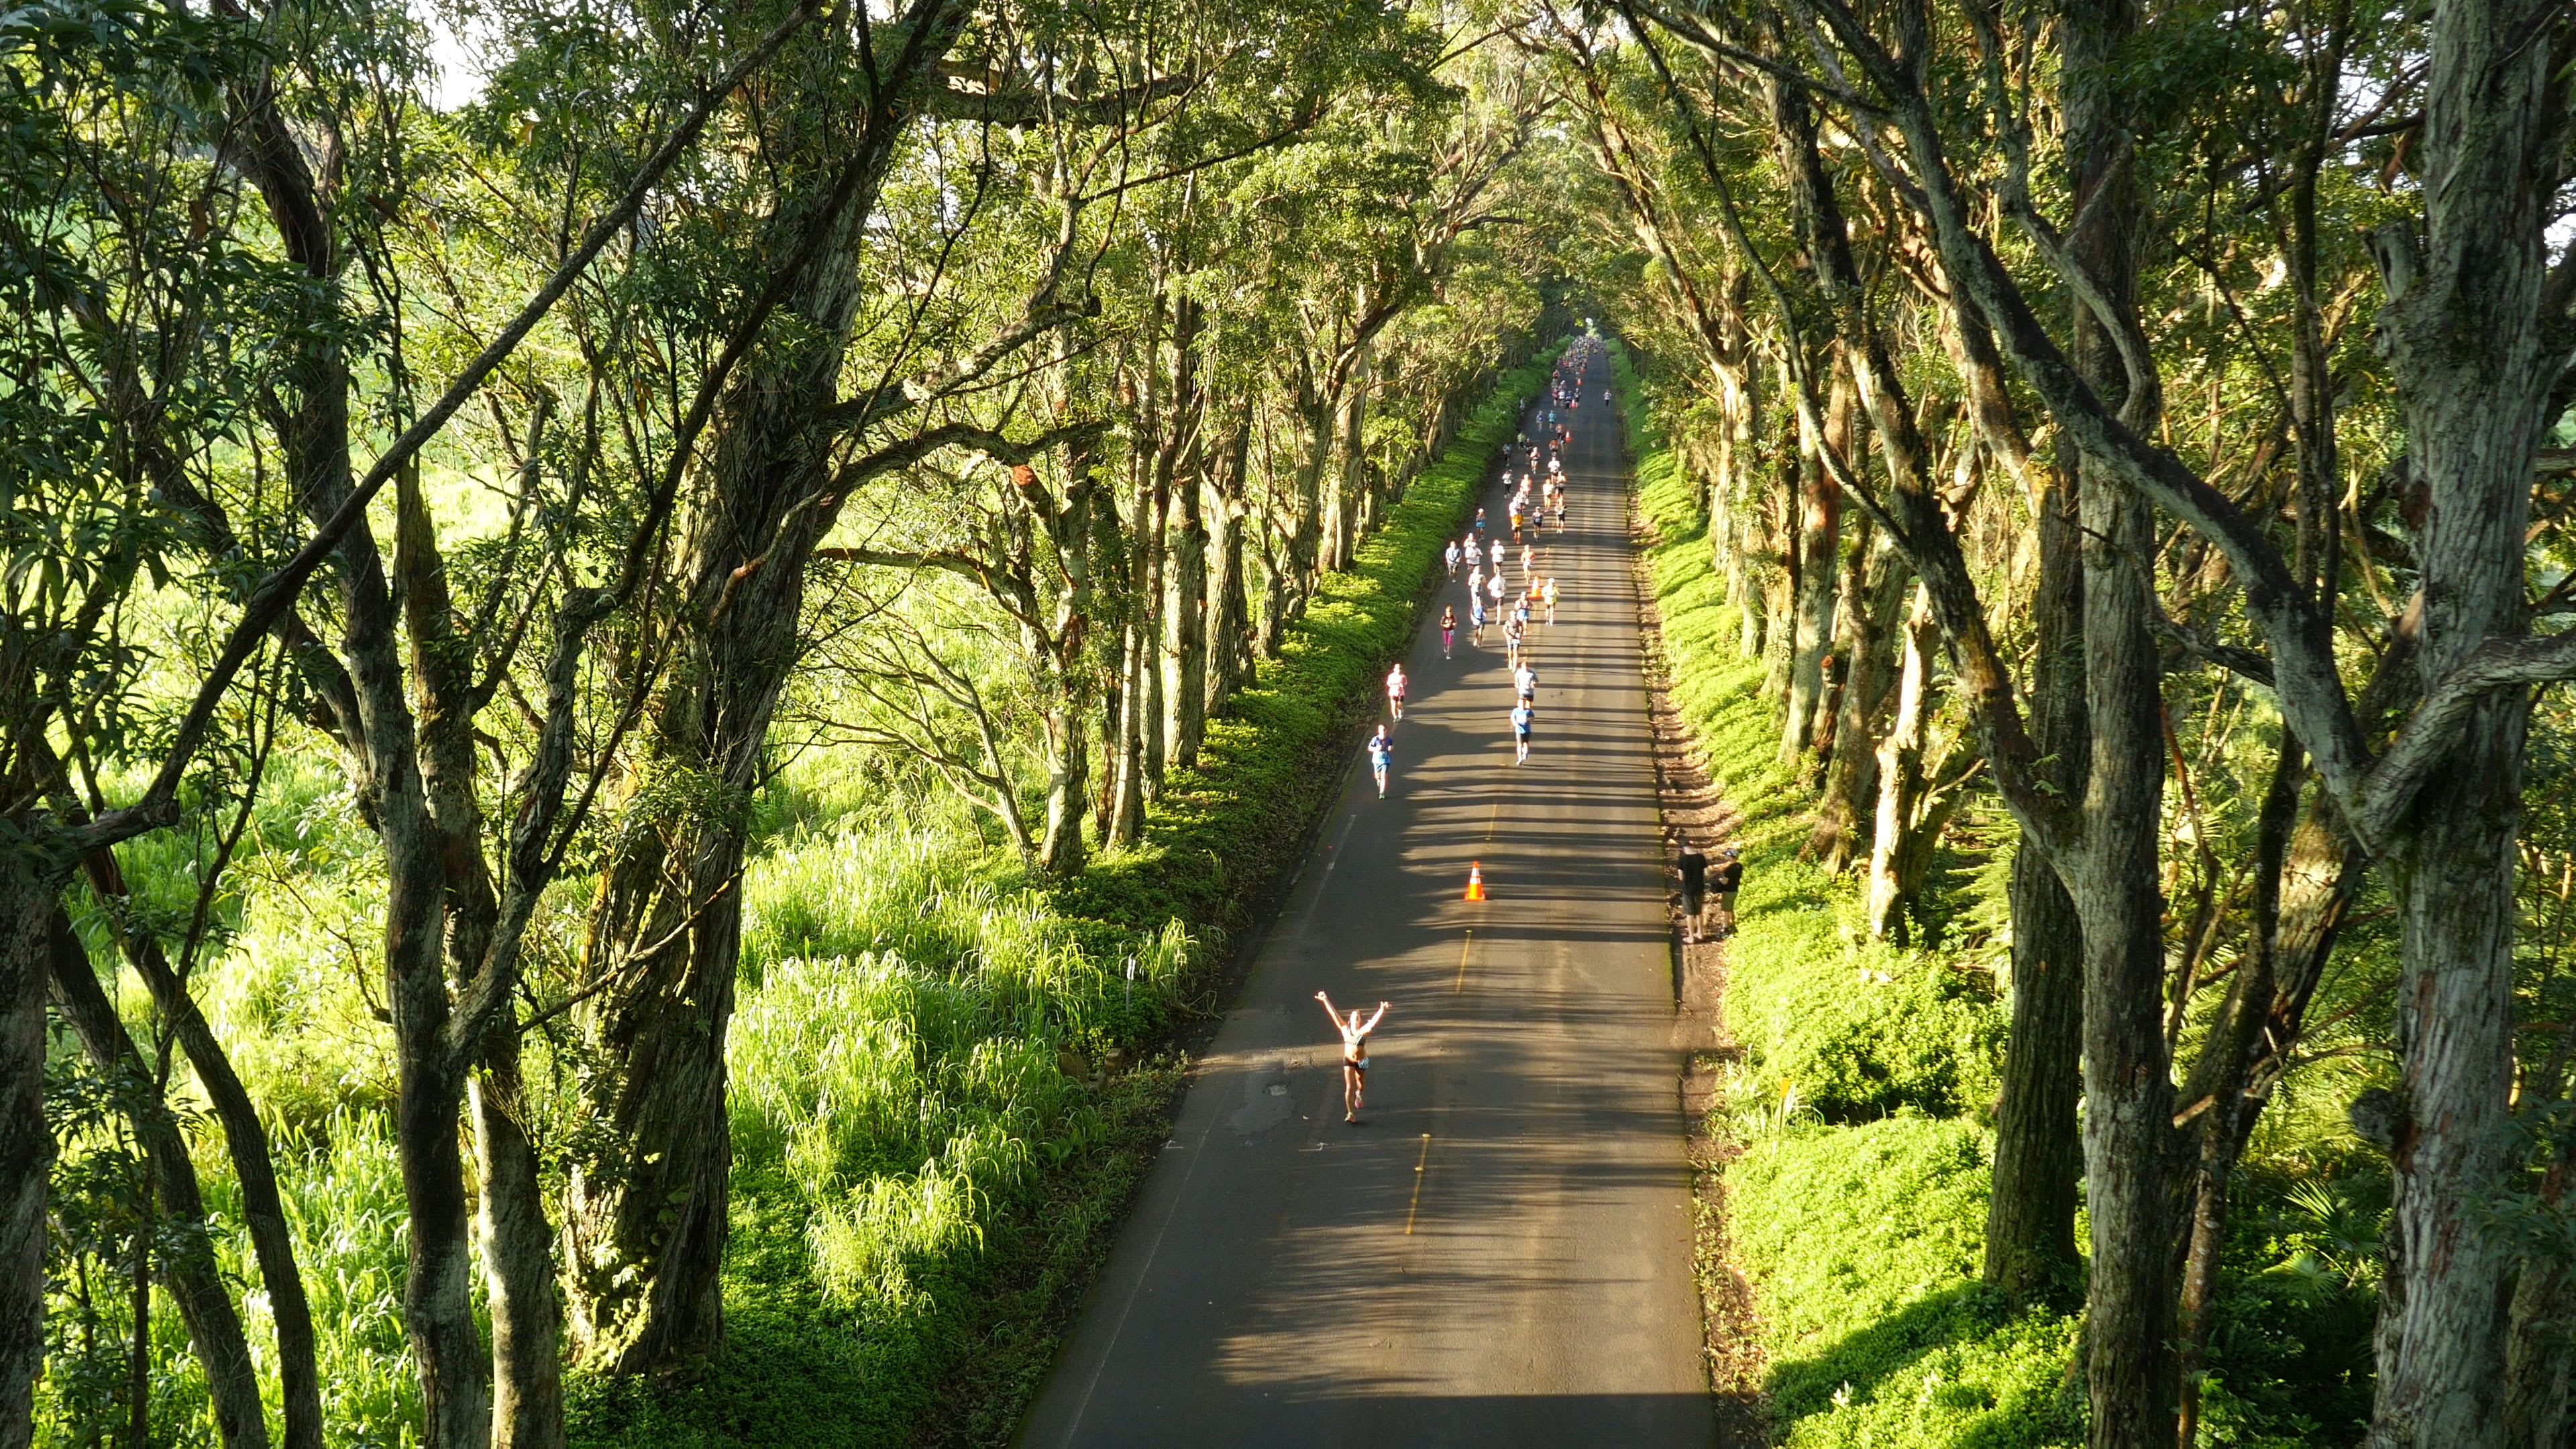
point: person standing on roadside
(1694, 873)
(1728, 876)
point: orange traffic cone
(1475, 881)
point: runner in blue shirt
(1520, 733)
(1381, 752)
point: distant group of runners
(1536, 496)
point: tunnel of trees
(635, 696)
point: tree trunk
(2442, 1360)
(646, 1201)
(1308, 527)
(2128, 1084)
(1877, 590)
(254, 1167)
(518, 1257)
(28, 899)
(1185, 651)
(2030, 1220)
(438, 1304)
(1231, 645)
(1180, 542)
(1815, 570)
(1350, 460)
(2468, 353)
(518, 1260)
(1900, 846)
(1065, 654)
(188, 1268)
(1137, 642)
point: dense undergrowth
(1860, 1108)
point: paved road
(1500, 1253)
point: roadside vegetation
(1859, 1113)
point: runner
(1520, 734)
(1476, 617)
(1395, 691)
(1355, 1035)
(1494, 587)
(1381, 753)
(1525, 683)
(1448, 629)
(1480, 530)
(1547, 595)
(1529, 557)
(1453, 560)
(1521, 613)
(1498, 558)
(1475, 576)
(1512, 632)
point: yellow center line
(1417, 1184)
(1470, 945)
(1490, 819)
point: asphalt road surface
(1500, 1253)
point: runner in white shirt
(1395, 691)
